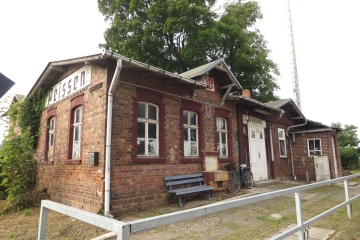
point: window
(52, 132)
(314, 147)
(222, 136)
(77, 132)
(282, 142)
(147, 129)
(191, 134)
(50, 139)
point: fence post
(123, 232)
(299, 214)
(43, 222)
(347, 197)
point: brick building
(117, 127)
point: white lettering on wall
(69, 85)
(253, 121)
(209, 81)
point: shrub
(349, 157)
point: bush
(349, 157)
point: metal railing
(124, 229)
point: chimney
(246, 93)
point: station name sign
(253, 121)
(69, 85)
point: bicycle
(236, 179)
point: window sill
(47, 163)
(148, 160)
(283, 156)
(226, 160)
(191, 160)
(73, 162)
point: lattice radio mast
(296, 87)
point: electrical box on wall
(93, 158)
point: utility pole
(296, 87)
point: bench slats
(186, 179)
(189, 190)
(183, 177)
(173, 183)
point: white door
(257, 153)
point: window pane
(77, 115)
(223, 138)
(141, 110)
(280, 133)
(252, 133)
(186, 148)
(152, 130)
(186, 135)
(186, 119)
(76, 149)
(193, 149)
(218, 137)
(140, 146)
(193, 119)
(261, 135)
(282, 148)
(152, 147)
(51, 140)
(152, 112)
(193, 134)
(317, 144)
(76, 133)
(52, 124)
(311, 145)
(223, 150)
(141, 130)
(222, 124)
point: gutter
(114, 81)
(291, 142)
(154, 69)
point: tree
(183, 34)
(348, 142)
(348, 136)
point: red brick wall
(133, 183)
(303, 163)
(79, 185)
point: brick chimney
(246, 93)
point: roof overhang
(53, 70)
(205, 69)
(257, 106)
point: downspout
(108, 136)
(271, 141)
(291, 143)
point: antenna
(293, 62)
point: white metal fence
(124, 229)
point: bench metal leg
(180, 201)
(209, 195)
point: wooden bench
(185, 180)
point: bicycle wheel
(248, 179)
(233, 183)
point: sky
(326, 34)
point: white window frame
(52, 125)
(146, 120)
(77, 125)
(282, 139)
(315, 150)
(189, 127)
(219, 131)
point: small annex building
(113, 128)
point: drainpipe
(291, 142)
(108, 136)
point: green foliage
(349, 157)
(180, 35)
(18, 168)
(348, 136)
